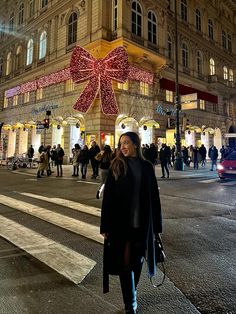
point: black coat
(115, 216)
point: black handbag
(159, 259)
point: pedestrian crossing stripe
(70, 204)
(79, 227)
(65, 261)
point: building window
(210, 29)
(44, 3)
(225, 73)
(18, 57)
(1, 67)
(229, 39)
(69, 86)
(185, 55)
(5, 101)
(144, 88)
(31, 8)
(123, 86)
(184, 10)
(152, 28)
(72, 29)
(224, 44)
(231, 75)
(2, 31)
(21, 14)
(15, 100)
(136, 19)
(212, 67)
(9, 64)
(26, 97)
(198, 20)
(214, 107)
(169, 96)
(42, 45)
(202, 104)
(115, 15)
(169, 47)
(30, 50)
(199, 62)
(11, 22)
(39, 94)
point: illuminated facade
(37, 38)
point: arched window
(169, 47)
(31, 8)
(152, 27)
(212, 67)
(115, 15)
(185, 55)
(225, 73)
(224, 44)
(44, 3)
(136, 18)
(184, 10)
(11, 22)
(1, 67)
(42, 45)
(229, 42)
(21, 14)
(72, 29)
(199, 62)
(30, 51)
(18, 57)
(210, 29)
(198, 20)
(231, 75)
(9, 63)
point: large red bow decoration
(99, 72)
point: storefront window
(144, 88)
(26, 97)
(39, 94)
(123, 86)
(15, 100)
(202, 104)
(169, 96)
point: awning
(184, 90)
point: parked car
(227, 168)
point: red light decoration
(99, 73)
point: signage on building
(44, 108)
(189, 101)
(40, 126)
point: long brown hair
(119, 163)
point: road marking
(209, 180)
(65, 261)
(70, 204)
(79, 227)
(88, 182)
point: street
(51, 249)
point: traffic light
(46, 123)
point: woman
(75, 160)
(105, 162)
(130, 218)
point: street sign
(40, 126)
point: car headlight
(220, 167)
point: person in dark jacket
(59, 160)
(130, 218)
(93, 151)
(164, 159)
(84, 160)
(203, 153)
(213, 155)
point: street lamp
(178, 158)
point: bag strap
(163, 278)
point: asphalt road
(199, 237)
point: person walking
(195, 157)
(130, 218)
(93, 151)
(43, 163)
(203, 153)
(164, 159)
(83, 161)
(105, 162)
(213, 155)
(59, 160)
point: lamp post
(178, 158)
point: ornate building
(37, 38)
